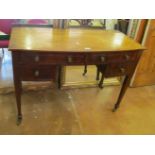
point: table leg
(85, 70)
(101, 81)
(18, 87)
(122, 92)
(101, 69)
(59, 76)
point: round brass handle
(122, 70)
(127, 57)
(36, 59)
(102, 59)
(36, 73)
(70, 59)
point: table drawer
(111, 58)
(118, 69)
(49, 58)
(38, 73)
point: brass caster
(19, 120)
(84, 74)
(100, 86)
(115, 108)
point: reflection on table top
(70, 40)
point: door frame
(141, 38)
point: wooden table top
(70, 40)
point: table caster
(115, 107)
(100, 85)
(19, 119)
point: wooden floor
(80, 111)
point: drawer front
(111, 58)
(49, 58)
(119, 69)
(38, 73)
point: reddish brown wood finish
(38, 73)
(41, 65)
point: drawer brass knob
(70, 59)
(102, 59)
(122, 70)
(127, 57)
(36, 58)
(36, 73)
